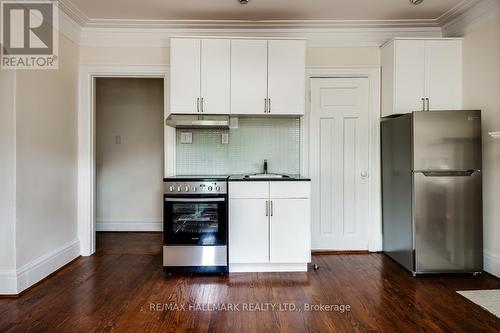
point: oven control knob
(210, 188)
(193, 188)
(217, 188)
(179, 189)
(187, 188)
(171, 188)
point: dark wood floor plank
(114, 291)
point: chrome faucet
(265, 166)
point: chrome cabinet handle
(202, 105)
(423, 104)
(198, 104)
(265, 105)
(267, 208)
(428, 108)
(272, 209)
(269, 107)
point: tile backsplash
(255, 139)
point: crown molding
(346, 37)
(477, 11)
(91, 32)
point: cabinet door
(184, 75)
(408, 76)
(215, 75)
(443, 74)
(290, 231)
(248, 76)
(286, 76)
(248, 231)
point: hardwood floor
(122, 287)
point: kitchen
(275, 159)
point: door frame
(87, 140)
(372, 73)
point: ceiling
(258, 10)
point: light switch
(225, 138)
(186, 137)
(118, 139)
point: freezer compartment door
(448, 222)
(447, 140)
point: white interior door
(339, 163)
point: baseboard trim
(129, 226)
(8, 282)
(13, 282)
(45, 265)
(491, 263)
(247, 268)
(340, 252)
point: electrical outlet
(186, 137)
(225, 138)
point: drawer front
(248, 190)
(294, 189)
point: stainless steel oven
(195, 215)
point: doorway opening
(129, 159)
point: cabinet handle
(269, 108)
(272, 210)
(423, 104)
(198, 104)
(202, 105)
(428, 108)
(267, 208)
(265, 105)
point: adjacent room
(250, 165)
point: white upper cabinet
(421, 75)
(237, 76)
(215, 76)
(443, 74)
(185, 80)
(286, 77)
(200, 76)
(248, 76)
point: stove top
(205, 178)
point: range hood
(197, 121)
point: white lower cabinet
(290, 238)
(248, 231)
(269, 226)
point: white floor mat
(487, 299)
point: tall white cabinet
(421, 75)
(269, 226)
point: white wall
(46, 150)
(334, 56)
(7, 171)
(482, 91)
(129, 183)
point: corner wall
(7, 181)
(481, 90)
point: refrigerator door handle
(454, 173)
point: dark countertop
(291, 178)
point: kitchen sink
(266, 176)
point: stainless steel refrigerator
(431, 191)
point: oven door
(195, 220)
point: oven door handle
(195, 199)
